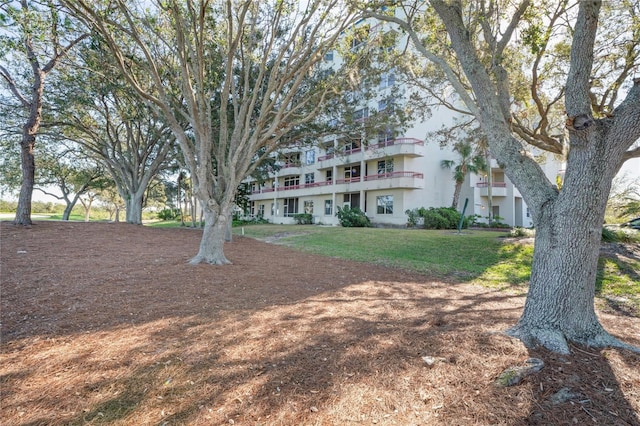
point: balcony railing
(391, 142)
(368, 178)
(348, 180)
(392, 175)
(291, 187)
(398, 141)
(326, 157)
(493, 184)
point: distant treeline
(36, 207)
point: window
(329, 175)
(387, 79)
(310, 157)
(385, 166)
(352, 146)
(361, 114)
(308, 207)
(261, 210)
(351, 172)
(328, 207)
(386, 105)
(352, 200)
(291, 181)
(328, 56)
(309, 178)
(290, 206)
(291, 159)
(384, 137)
(385, 204)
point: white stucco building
(383, 176)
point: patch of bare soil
(108, 324)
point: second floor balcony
(498, 189)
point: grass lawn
(480, 257)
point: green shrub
(352, 217)
(443, 218)
(303, 218)
(258, 220)
(169, 214)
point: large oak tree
(239, 72)
(513, 97)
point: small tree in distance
(466, 163)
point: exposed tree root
(211, 261)
(557, 341)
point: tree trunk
(87, 211)
(560, 303)
(213, 235)
(456, 195)
(134, 209)
(67, 211)
(23, 212)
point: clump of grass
(519, 232)
(620, 235)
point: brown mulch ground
(108, 324)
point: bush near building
(435, 218)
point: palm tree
(469, 162)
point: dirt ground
(108, 324)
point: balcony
(290, 169)
(411, 147)
(498, 189)
(401, 179)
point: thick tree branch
(13, 87)
(577, 100)
(440, 62)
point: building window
(309, 178)
(385, 204)
(352, 146)
(361, 114)
(291, 181)
(310, 156)
(308, 207)
(328, 207)
(351, 172)
(329, 175)
(352, 200)
(261, 210)
(385, 166)
(328, 56)
(384, 137)
(387, 79)
(290, 207)
(291, 159)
